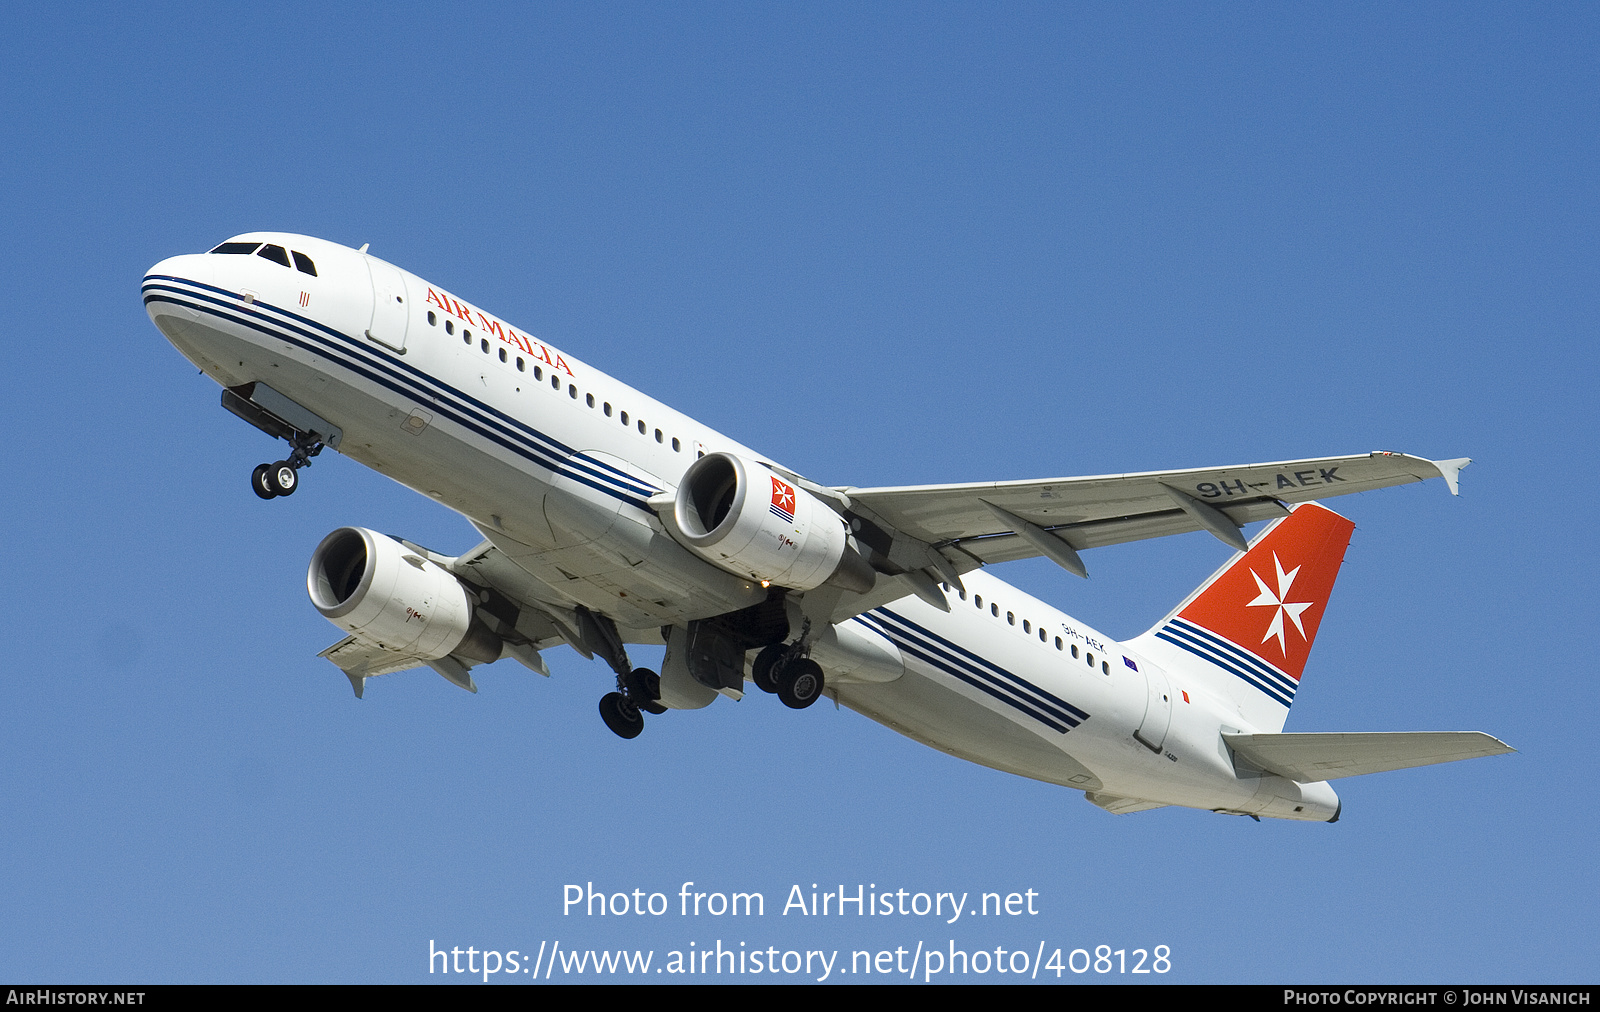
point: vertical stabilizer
(1247, 631)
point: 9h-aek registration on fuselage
(609, 519)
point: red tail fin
(1254, 621)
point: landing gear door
(389, 310)
(1152, 733)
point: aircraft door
(1152, 732)
(389, 310)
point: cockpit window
(277, 254)
(237, 247)
(303, 263)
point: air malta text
(489, 325)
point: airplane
(609, 519)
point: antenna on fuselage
(363, 248)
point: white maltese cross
(1279, 601)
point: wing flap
(1007, 547)
(367, 660)
(360, 661)
(1310, 757)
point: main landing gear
(269, 481)
(624, 711)
(796, 679)
(638, 689)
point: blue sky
(885, 244)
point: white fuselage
(549, 454)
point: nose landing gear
(269, 481)
(272, 480)
(281, 418)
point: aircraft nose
(188, 267)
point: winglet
(357, 682)
(1450, 470)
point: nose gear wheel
(270, 481)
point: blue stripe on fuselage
(392, 375)
(958, 662)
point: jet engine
(376, 589)
(744, 517)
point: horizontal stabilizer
(1308, 758)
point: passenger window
(572, 391)
(977, 599)
(484, 345)
(304, 265)
(1074, 651)
(520, 366)
(1026, 627)
(1058, 642)
(658, 435)
(433, 321)
(538, 373)
(555, 382)
(677, 446)
(502, 354)
(607, 409)
(1090, 659)
(1042, 636)
(994, 609)
(277, 254)
(449, 326)
(641, 426)
(624, 417)
(237, 247)
(1105, 667)
(589, 399)
(1011, 618)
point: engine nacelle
(373, 587)
(744, 517)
